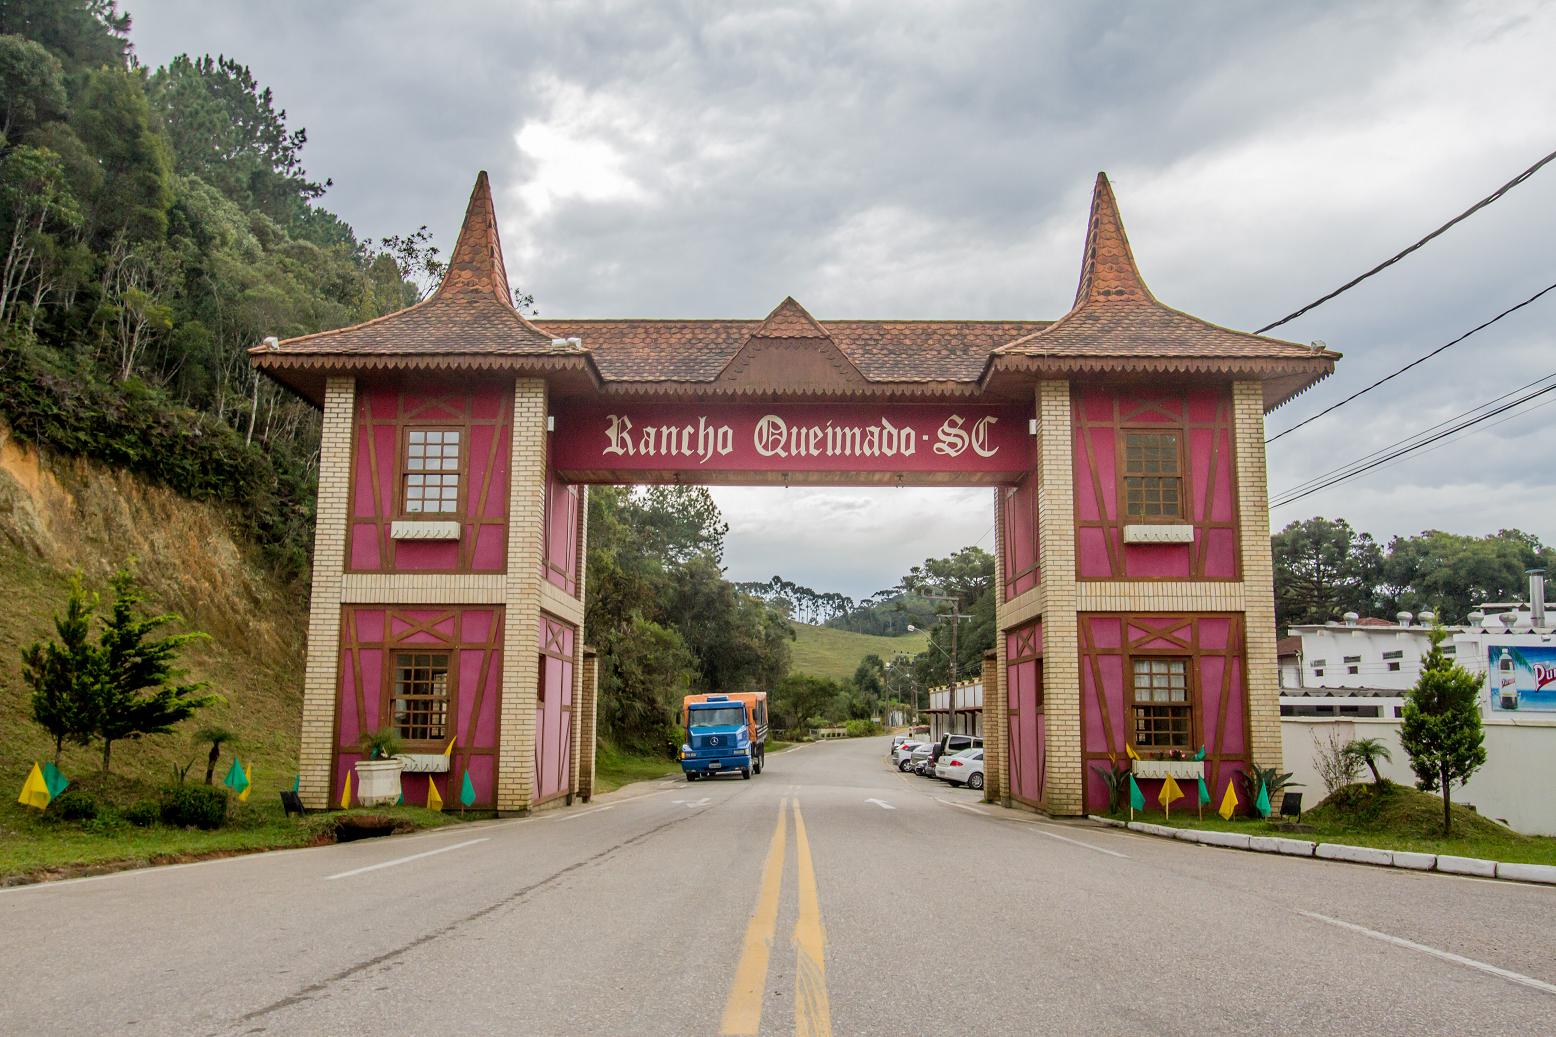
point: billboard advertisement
(1523, 678)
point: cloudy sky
(902, 159)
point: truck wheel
(745, 772)
(691, 775)
(756, 765)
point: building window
(1398, 654)
(1351, 662)
(421, 696)
(1163, 716)
(1153, 476)
(1450, 649)
(432, 470)
(1318, 673)
(1318, 664)
(1393, 667)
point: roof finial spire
(1108, 271)
(475, 266)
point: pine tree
(140, 693)
(65, 674)
(1441, 727)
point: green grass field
(825, 652)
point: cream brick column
(575, 735)
(1253, 511)
(1056, 553)
(996, 711)
(316, 752)
(588, 723)
(521, 598)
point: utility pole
(956, 625)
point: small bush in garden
(194, 806)
(107, 823)
(142, 815)
(75, 806)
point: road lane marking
(812, 1009)
(743, 1008)
(583, 813)
(691, 804)
(961, 806)
(1077, 842)
(1457, 959)
(881, 803)
(403, 860)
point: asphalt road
(828, 895)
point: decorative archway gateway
(1125, 443)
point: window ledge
(1191, 770)
(420, 529)
(423, 763)
(1159, 533)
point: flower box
(1179, 770)
(423, 763)
(378, 782)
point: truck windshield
(721, 716)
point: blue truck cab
(718, 739)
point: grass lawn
(614, 768)
(35, 847)
(825, 652)
(1395, 818)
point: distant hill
(825, 652)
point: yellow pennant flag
(35, 791)
(1228, 802)
(1131, 751)
(1169, 794)
(448, 749)
(248, 778)
(434, 801)
(345, 795)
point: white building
(957, 710)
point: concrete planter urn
(378, 782)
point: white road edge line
(583, 813)
(402, 860)
(1077, 842)
(1457, 959)
(881, 803)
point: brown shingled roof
(1116, 316)
(1116, 327)
(471, 312)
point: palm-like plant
(217, 736)
(1369, 751)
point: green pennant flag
(1262, 804)
(236, 779)
(297, 782)
(467, 791)
(55, 781)
(1204, 793)
(1136, 797)
(401, 801)
(1200, 756)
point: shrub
(142, 814)
(862, 728)
(107, 823)
(1337, 766)
(194, 806)
(75, 806)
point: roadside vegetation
(1388, 817)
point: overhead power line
(1347, 286)
(1417, 361)
(1356, 468)
(1320, 477)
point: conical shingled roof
(470, 314)
(1116, 318)
(789, 320)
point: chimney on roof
(1428, 618)
(1404, 619)
(1536, 596)
(1350, 619)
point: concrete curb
(1543, 874)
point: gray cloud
(934, 160)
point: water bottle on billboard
(1507, 682)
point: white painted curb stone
(1415, 861)
(1276, 844)
(1354, 854)
(1233, 840)
(1527, 872)
(1466, 866)
(1109, 821)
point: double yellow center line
(812, 1011)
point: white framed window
(432, 467)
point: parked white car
(901, 755)
(963, 768)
